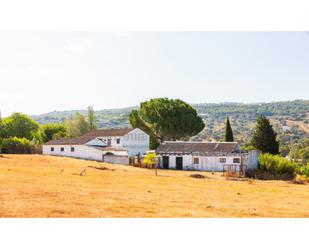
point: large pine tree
(229, 137)
(264, 137)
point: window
(118, 140)
(52, 149)
(72, 149)
(236, 160)
(222, 160)
(196, 160)
(61, 149)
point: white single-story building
(204, 156)
(106, 145)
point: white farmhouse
(205, 156)
(107, 145)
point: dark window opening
(222, 160)
(72, 149)
(196, 160)
(61, 149)
(236, 160)
(52, 149)
(118, 140)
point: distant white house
(286, 128)
(205, 156)
(107, 145)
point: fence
(232, 170)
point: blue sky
(47, 71)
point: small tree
(77, 125)
(264, 137)
(151, 159)
(229, 137)
(91, 118)
(52, 131)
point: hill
(290, 118)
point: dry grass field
(33, 186)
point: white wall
(205, 163)
(80, 151)
(186, 161)
(214, 164)
(86, 152)
(252, 159)
(136, 142)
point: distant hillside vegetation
(290, 118)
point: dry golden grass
(32, 186)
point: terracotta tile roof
(89, 136)
(69, 141)
(199, 147)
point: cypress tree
(264, 137)
(229, 137)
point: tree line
(162, 118)
(21, 134)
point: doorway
(179, 163)
(165, 160)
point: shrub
(275, 167)
(150, 159)
(15, 145)
(303, 170)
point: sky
(48, 71)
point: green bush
(276, 167)
(15, 145)
(303, 170)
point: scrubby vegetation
(303, 170)
(15, 145)
(299, 152)
(289, 114)
(277, 167)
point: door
(179, 163)
(165, 160)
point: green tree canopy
(52, 131)
(166, 119)
(19, 125)
(91, 118)
(300, 151)
(77, 125)
(1, 125)
(229, 137)
(264, 137)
